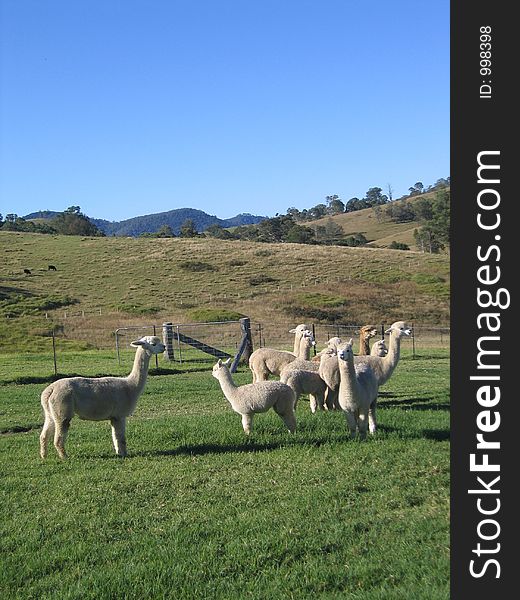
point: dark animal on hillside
(26, 271)
(52, 268)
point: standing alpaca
(96, 399)
(259, 397)
(357, 391)
(298, 333)
(329, 372)
(269, 361)
(365, 334)
(384, 366)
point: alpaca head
(334, 343)
(380, 348)
(150, 343)
(399, 329)
(219, 367)
(308, 337)
(345, 350)
(300, 329)
(368, 331)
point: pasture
(199, 511)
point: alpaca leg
(312, 403)
(363, 424)
(118, 435)
(247, 423)
(328, 399)
(61, 430)
(47, 432)
(286, 413)
(290, 421)
(351, 423)
(372, 421)
(320, 400)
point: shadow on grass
(415, 404)
(203, 449)
(25, 380)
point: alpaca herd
(335, 379)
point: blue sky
(130, 107)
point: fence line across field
(196, 342)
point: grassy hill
(380, 233)
(114, 282)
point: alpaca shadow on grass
(415, 404)
(438, 435)
(202, 449)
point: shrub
(398, 246)
(261, 279)
(210, 315)
(196, 266)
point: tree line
(432, 213)
(70, 222)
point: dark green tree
(335, 205)
(188, 229)
(73, 222)
(165, 231)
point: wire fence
(203, 342)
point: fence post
(382, 331)
(246, 345)
(54, 350)
(168, 340)
(314, 338)
(156, 356)
(413, 341)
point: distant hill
(151, 223)
(380, 233)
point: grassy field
(198, 511)
(105, 283)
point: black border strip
(482, 121)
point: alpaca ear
(350, 341)
(292, 330)
(219, 362)
(137, 343)
(389, 330)
(227, 361)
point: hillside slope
(119, 281)
(380, 232)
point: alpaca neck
(139, 372)
(227, 384)
(364, 346)
(297, 340)
(304, 351)
(390, 361)
(348, 376)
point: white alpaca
(329, 372)
(96, 399)
(305, 382)
(298, 332)
(379, 348)
(259, 397)
(268, 361)
(357, 391)
(332, 343)
(384, 366)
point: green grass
(198, 511)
